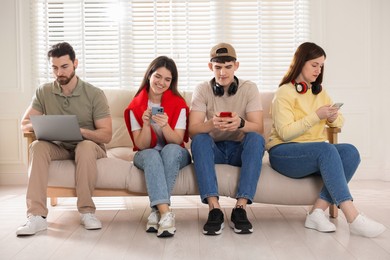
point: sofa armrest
(333, 134)
(30, 138)
(333, 139)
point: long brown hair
(305, 52)
(161, 61)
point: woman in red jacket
(159, 139)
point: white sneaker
(166, 225)
(363, 226)
(33, 225)
(90, 221)
(153, 219)
(318, 221)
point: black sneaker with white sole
(214, 224)
(240, 222)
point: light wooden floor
(278, 231)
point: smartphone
(225, 114)
(338, 105)
(155, 111)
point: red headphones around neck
(302, 87)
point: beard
(63, 80)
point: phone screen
(225, 114)
(338, 105)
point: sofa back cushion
(266, 100)
(119, 99)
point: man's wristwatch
(242, 123)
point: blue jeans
(161, 169)
(247, 154)
(336, 163)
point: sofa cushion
(124, 153)
(113, 173)
(273, 188)
(120, 136)
(118, 99)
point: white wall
(15, 88)
(354, 33)
(356, 37)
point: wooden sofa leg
(53, 201)
(333, 211)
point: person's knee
(86, 150)
(326, 148)
(255, 139)
(151, 155)
(148, 158)
(85, 145)
(171, 149)
(39, 147)
(174, 154)
(200, 140)
(352, 152)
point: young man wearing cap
(233, 138)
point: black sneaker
(214, 224)
(240, 222)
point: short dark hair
(61, 49)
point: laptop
(56, 127)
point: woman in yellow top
(298, 147)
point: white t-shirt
(180, 124)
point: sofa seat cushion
(113, 173)
(124, 153)
(273, 188)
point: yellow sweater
(295, 119)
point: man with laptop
(67, 95)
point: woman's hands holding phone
(329, 112)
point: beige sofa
(117, 176)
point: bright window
(115, 40)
